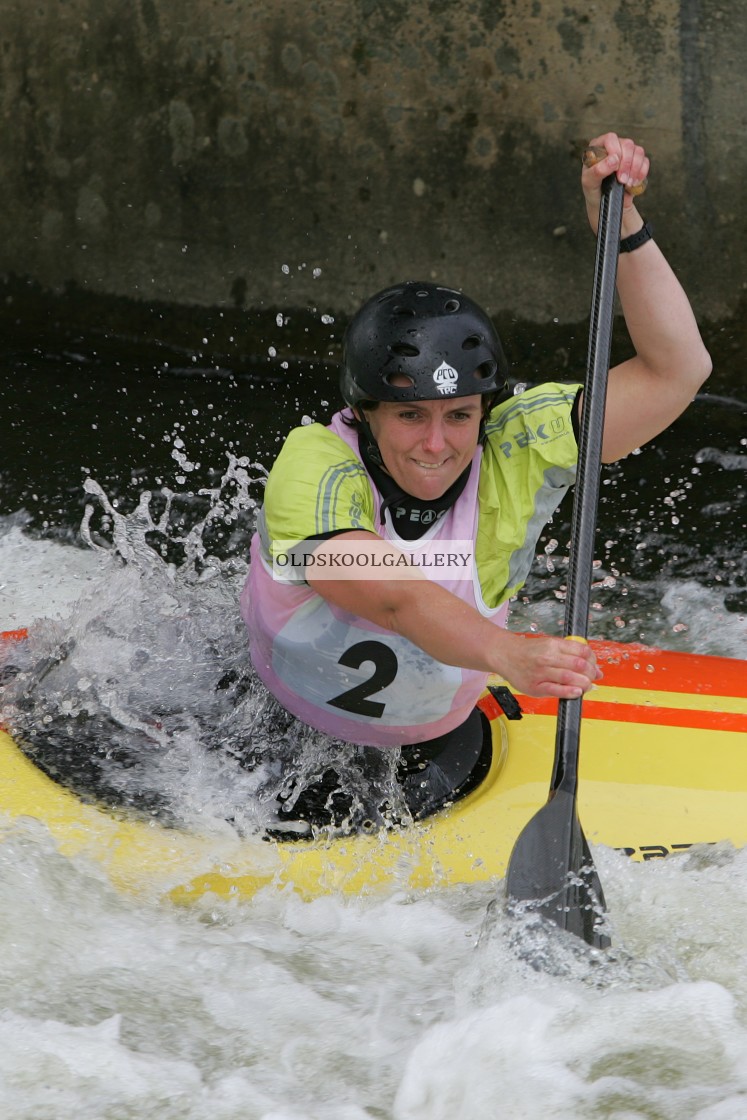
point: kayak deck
(663, 767)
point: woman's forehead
(453, 404)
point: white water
(410, 1007)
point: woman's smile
(425, 445)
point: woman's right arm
(445, 627)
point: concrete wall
(306, 152)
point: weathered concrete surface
(300, 153)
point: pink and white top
(346, 676)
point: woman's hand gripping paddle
(551, 866)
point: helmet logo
(446, 378)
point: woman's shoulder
(535, 425)
(315, 483)
(317, 436)
(315, 446)
(549, 396)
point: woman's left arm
(649, 391)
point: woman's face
(425, 445)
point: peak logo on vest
(446, 378)
(422, 516)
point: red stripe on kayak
(632, 666)
(490, 707)
(660, 670)
(643, 713)
(13, 635)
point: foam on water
(681, 615)
(40, 578)
(353, 1010)
(404, 1006)
(655, 1030)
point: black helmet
(437, 338)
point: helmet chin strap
(372, 447)
(487, 404)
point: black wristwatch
(644, 234)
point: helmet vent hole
(398, 380)
(452, 305)
(404, 350)
(485, 371)
(408, 312)
(471, 342)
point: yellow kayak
(663, 767)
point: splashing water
(144, 697)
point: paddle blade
(552, 873)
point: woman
(432, 461)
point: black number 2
(385, 666)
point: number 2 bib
(348, 677)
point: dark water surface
(139, 398)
